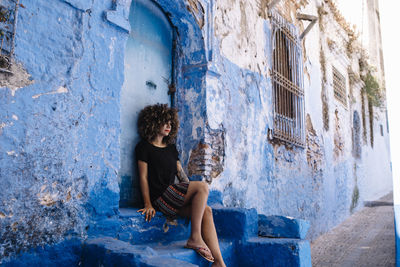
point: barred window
(287, 82)
(339, 86)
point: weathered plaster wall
(59, 119)
(59, 135)
(257, 173)
(324, 182)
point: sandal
(202, 251)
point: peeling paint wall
(60, 110)
(325, 181)
(59, 117)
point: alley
(364, 239)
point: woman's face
(166, 129)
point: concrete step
(261, 251)
(136, 242)
(134, 228)
(176, 250)
(128, 240)
(107, 251)
(163, 262)
(256, 251)
(235, 223)
(130, 226)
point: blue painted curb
(397, 232)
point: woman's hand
(148, 209)
(149, 212)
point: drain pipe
(300, 16)
(312, 19)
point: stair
(134, 229)
(246, 239)
(259, 251)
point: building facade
(282, 109)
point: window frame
(339, 86)
(287, 82)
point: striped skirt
(172, 200)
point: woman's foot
(218, 263)
(201, 248)
(196, 242)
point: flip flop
(202, 251)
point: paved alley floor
(365, 239)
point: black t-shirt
(161, 165)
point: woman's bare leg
(208, 232)
(196, 198)
(210, 236)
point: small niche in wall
(356, 135)
(8, 22)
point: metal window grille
(339, 86)
(8, 22)
(287, 82)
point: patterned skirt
(170, 202)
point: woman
(158, 163)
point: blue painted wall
(59, 136)
(325, 181)
(59, 147)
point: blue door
(148, 68)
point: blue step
(256, 251)
(260, 251)
(176, 250)
(231, 223)
(107, 251)
(163, 262)
(131, 226)
(134, 228)
(128, 240)
(235, 223)
(132, 241)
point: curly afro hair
(152, 117)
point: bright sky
(389, 22)
(353, 10)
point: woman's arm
(181, 174)
(144, 186)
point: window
(339, 86)
(287, 82)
